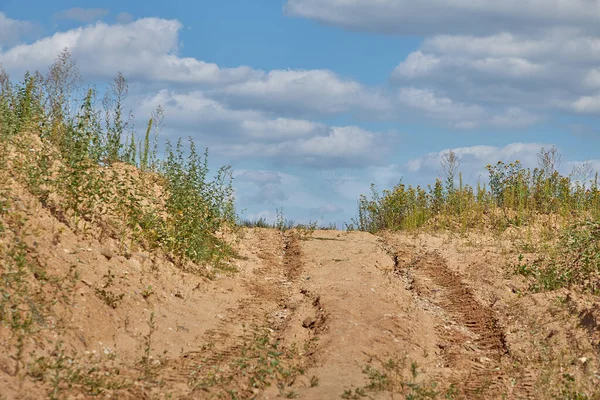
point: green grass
(91, 170)
(572, 262)
(513, 196)
(262, 362)
(561, 215)
(94, 173)
(392, 377)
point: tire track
(268, 294)
(472, 341)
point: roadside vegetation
(545, 224)
(85, 160)
(80, 155)
(513, 196)
(558, 214)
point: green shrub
(74, 165)
(515, 197)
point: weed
(516, 196)
(314, 381)
(574, 262)
(262, 363)
(146, 361)
(390, 378)
(110, 298)
(82, 159)
(67, 374)
(146, 293)
(567, 389)
(357, 394)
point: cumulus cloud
(587, 104)
(544, 72)
(345, 146)
(427, 17)
(526, 59)
(263, 186)
(462, 115)
(144, 49)
(254, 134)
(147, 50)
(194, 112)
(505, 59)
(85, 15)
(473, 160)
(302, 91)
(260, 178)
(12, 30)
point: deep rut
(472, 341)
(267, 305)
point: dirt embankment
(318, 315)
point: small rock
(308, 323)
(107, 253)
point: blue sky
(311, 101)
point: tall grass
(79, 153)
(513, 196)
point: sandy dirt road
(322, 315)
(373, 316)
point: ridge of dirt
(495, 341)
(314, 316)
(471, 340)
(262, 297)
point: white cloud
(439, 107)
(12, 30)
(302, 91)
(254, 134)
(347, 146)
(145, 49)
(258, 177)
(280, 127)
(85, 15)
(514, 117)
(463, 115)
(193, 112)
(587, 104)
(427, 17)
(473, 160)
(543, 72)
(347, 141)
(417, 64)
(507, 62)
(427, 66)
